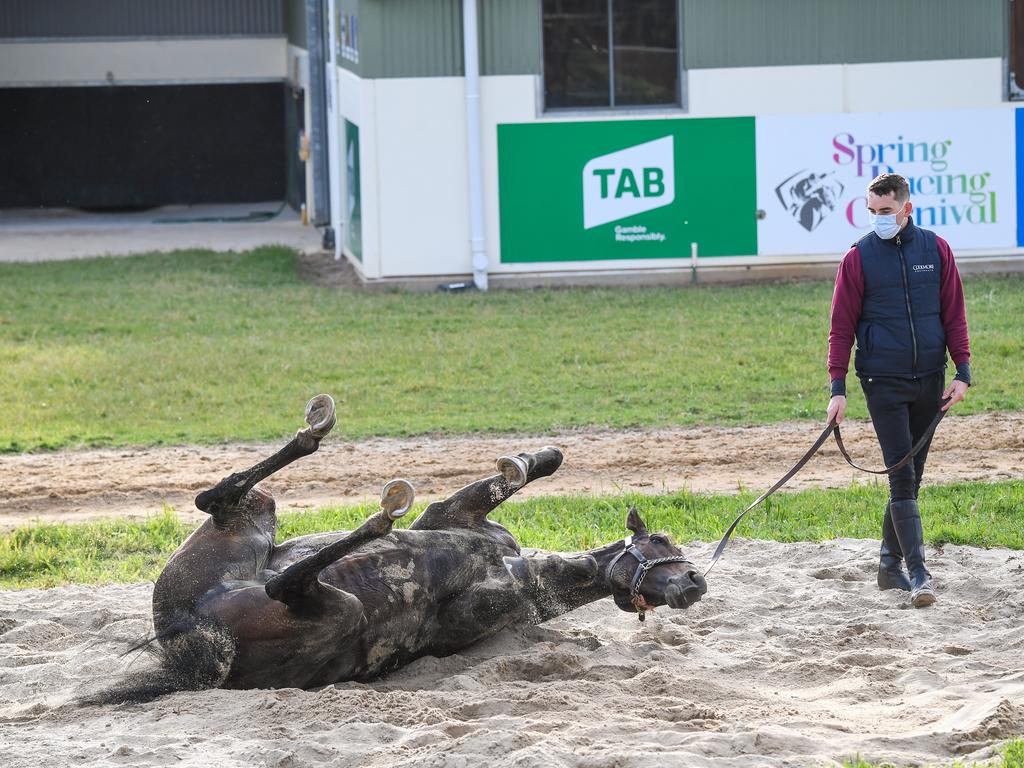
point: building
(502, 139)
(121, 103)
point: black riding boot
(906, 520)
(890, 562)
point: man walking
(898, 292)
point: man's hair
(886, 183)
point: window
(610, 53)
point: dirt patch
(81, 485)
(782, 664)
(321, 268)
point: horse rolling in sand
(232, 609)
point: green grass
(126, 551)
(1011, 755)
(197, 347)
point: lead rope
(831, 429)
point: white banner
(813, 172)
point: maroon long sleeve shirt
(848, 300)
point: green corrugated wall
(295, 22)
(410, 38)
(510, 37)
(756, 33)
(423, 38)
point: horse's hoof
(514, 469)
(396, 498)
(320, 415)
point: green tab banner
(627, 189)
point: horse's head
(651, 571)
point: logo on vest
(924, 267)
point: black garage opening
(136, 146)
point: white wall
(414, 176)
(129, 62)
(924, 85)
(413, 145)
(504, 99)
(298, 66)
(891, 86)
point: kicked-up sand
(794, 658)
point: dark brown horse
(233, 609)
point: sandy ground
(53, 234)
(793, 659)
(78, 485)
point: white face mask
(885, 225)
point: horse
(233, 609)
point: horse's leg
(551, 584)
(234, 548)
(221, 500)
(469, 506)
(299, 586)
(235, 544)
(530, 591)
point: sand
(84, 484)
(794, 658)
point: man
(899, 293)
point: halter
(644, 565)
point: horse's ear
(635, 523)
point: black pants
(901, 410)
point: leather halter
(644, 564)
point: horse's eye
(657, 539)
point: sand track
(84, 484)
(793, 659)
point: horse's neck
(562, 583)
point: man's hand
(955, 392)
(837, 408)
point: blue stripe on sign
(1020, 177)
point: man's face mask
(885, 224)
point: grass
(981, 514)
(197, 347)
(1011, 755)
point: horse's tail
(193, 655)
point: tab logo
(628, 182)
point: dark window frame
(679, 104)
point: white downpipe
(335, 149)
(471, 56)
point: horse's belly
(394, 640)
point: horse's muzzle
(684, 591)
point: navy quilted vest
(900, 330)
